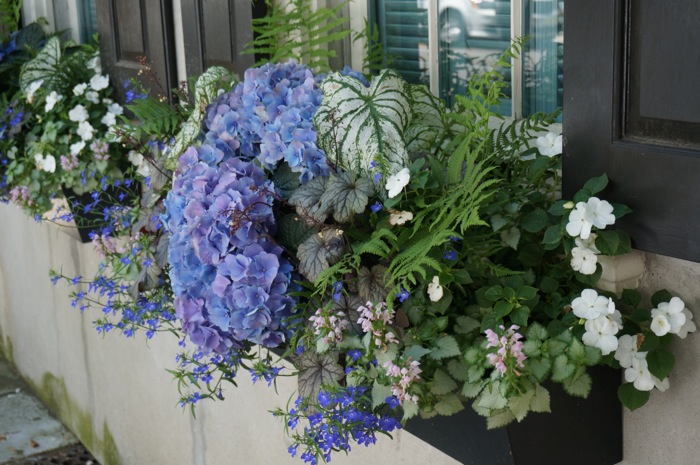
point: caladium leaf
(205, 90)
(358, 125)
(317, 371)
(371, 284)
(428, 123)
(307, 200)
(346, 195)
(43, 67)
(320, 251)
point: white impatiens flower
(45, 163)
(78, 114)
(400, 218)
(659, 384)
(583, 260)
(549, 144)
(109, 119)
(115, 108)
(80, 89)
(591, 305)
(639, 374)
(595, 212)
(396, 182)
(76, 148)
(627, 351)
(92, 96)
(99, 82)
(588, 243)
(668, 317)
(688, 326)
(601, 331)
(85, 130)
(142, 166)
(95, 64)
(51, 100)
(435, 289)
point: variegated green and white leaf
(428, 124)
(205, 90)
(43, 67)
(357, 124)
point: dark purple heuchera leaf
(317, 370)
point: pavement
(28, 432)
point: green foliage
(10, 13)
(374, 59)
(295, 30)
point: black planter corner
(93, 220)
(577, 432)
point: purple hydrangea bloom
(230, 281)
(268, 116)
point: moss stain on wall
(6, 348)
(53, 393)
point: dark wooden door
(216, 32)
(632, 110)
(133, 28)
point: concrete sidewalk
(28, 432)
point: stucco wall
(115, 394)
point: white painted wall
(60, 14)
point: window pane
(543, 21)
(473, 34)
(88, 19)
(403, 30)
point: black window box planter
(577, 432)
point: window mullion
(516, 31)
(433, 51)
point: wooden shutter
(632, 110)
(133, 28)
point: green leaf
(442, 383)
(595, 185)
(557, 208)
(519, 316)
(540, 401)
(491, 398)
(593, 356)
(502, 308)
(526, 292)
(631, 297)
(494, 293)
(650, 343)
(357, 124)
(388, 355)
(445, 346)
(660, 297)
(346, 195)
(579, 385)
(317, 371)
(539, 367)
(562, 369)
(428, 126)
(410, 409)
(499, 419)
(466, 324)
(511, 237)
(661, 363)
(457, 369)
(497, 222)
(631, 397)
(320, 251)
(415, 352)
(371, 285)
(379, 393)
(552, 235)
(537, 331)
(471, 390)
(535, 221)
(520, 405)
(286, 180)
(292, 231)
(449, 405)
(620, 210)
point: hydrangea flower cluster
(229, 279)
(376, 319)
(336, 418)
(268, 116)
(510, 349)
(403, 376)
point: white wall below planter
(116, 396)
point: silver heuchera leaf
(205, 90)
(371, 284)
(307, 200)
(292, 231)
(357, 124)
(317, 371)
(346, 195)
(320, 251)
(348, 304)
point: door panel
(631, 111)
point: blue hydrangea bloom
(230, 281)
